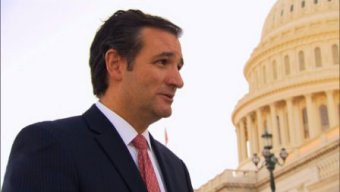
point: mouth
(168, 97)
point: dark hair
(121, 32)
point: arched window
(324, 116)
(302, 65)
(335, 54)
(305, 123)
(274, 70)
(317, 54)
(287, 65)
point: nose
(175, 79)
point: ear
(114, 64)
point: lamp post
(270, 160)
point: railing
(229, 178)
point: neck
(134, 119)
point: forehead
(160, 41)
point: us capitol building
(293, 77)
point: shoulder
(58, 125)
(47, 138)
(39, 153)
(48, 132)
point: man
(135, 61)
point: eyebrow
(170, 54)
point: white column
(256, 138)
(314, 127)
(331, 106)
(251, 134)
(299, 132)
(259, 127)
(283, 129)
(239, 143)
(243, 142)
(291, 123)
(276, 134)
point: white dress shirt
(128, 133)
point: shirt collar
(124, 129)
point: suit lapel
(114, 147)
(164, 165)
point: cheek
(143, 87)
(151, 78)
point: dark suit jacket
(83, 154)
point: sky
(45, 73)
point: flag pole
(166, 139)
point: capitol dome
(294, 15)
(293, 78)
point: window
(317, 54)
(315, 1)
(282, 12)
(274, 70)
(303, 3)
(324, 116)
(287, 65)
(302, 61)
(305, 123)
(291, 8)
(335, 54)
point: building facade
(293, 77)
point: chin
(166, 113)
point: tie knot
(140, 142)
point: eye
(162, 61)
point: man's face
(151, 85)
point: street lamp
(269, 158)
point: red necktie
(144, 164)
